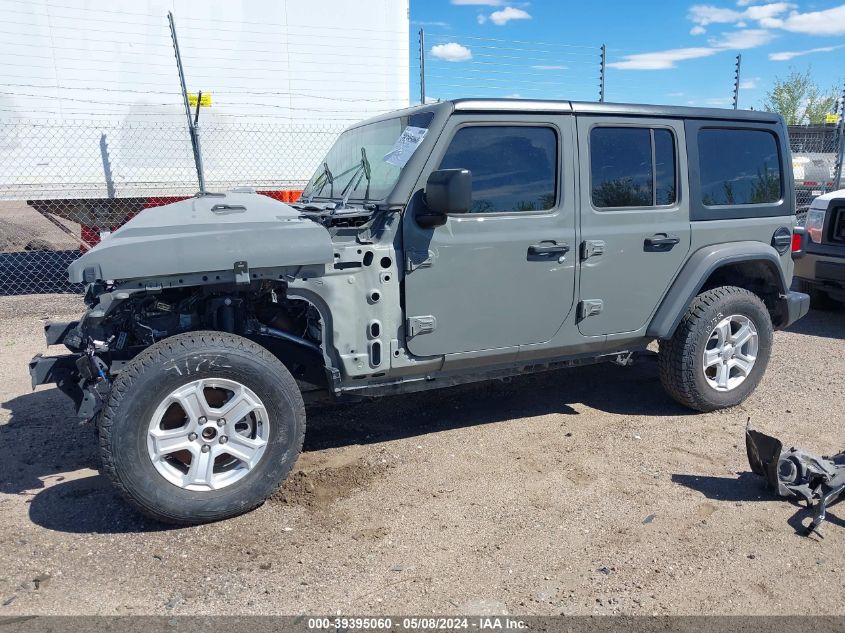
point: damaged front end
(219, 262)
(820, 481)
(82, 376)
(121, 322)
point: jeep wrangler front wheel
(200, 427)
(719, 351)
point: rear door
(499, 276)
(635, 220)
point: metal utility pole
(840, 143)
(193, 123)
(736, 80)
(602, 72)
(422, 67)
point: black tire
(155, 373)
(819, 299)
(681, 361)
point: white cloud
(697, 30)
(827, 22)
(749, 84)
(507, 14)
(764, 14)
(486, 3)
(481, 18)
(705, 14)
(515, 95)
(773, 15)
(674, 94)
(767, 11)
(549, 67)
(451, 52)
(741, 40)
(662, 60)
(785, 56)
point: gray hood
(204, 234)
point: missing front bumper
(64, 372)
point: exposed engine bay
(107, 339)
(146, 319)
(820, 481)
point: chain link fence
(815, 150)
(64, 182)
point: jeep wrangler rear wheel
(719, 351)
(200, 427)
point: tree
(799, 100)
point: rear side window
(514, 168)
(632, 167)
(738, 167)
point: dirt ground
(578, 492)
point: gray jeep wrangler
(821, 272)
(441, 244)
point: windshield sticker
(405, 146)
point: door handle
(548, 248)
(661, 242)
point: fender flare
(698, 269)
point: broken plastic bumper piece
(820, 481)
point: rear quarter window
(739, 167)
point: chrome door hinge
(589, 307)
(421, 325)
(591, 248)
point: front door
(634, 219)
(499, 276)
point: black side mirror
(449, 191)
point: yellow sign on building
(830, 118)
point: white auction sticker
(405, 146)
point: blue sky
(658, 52)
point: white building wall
(89, 90)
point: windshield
(365, 162)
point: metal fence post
(736, 80)
(840, 143)
(422, 67)
(602, 72)
(193, 129)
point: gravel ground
(579, 492)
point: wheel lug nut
(221, 421)
(206, 448)
(223, 439)
(192, 436)
(202, 419)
